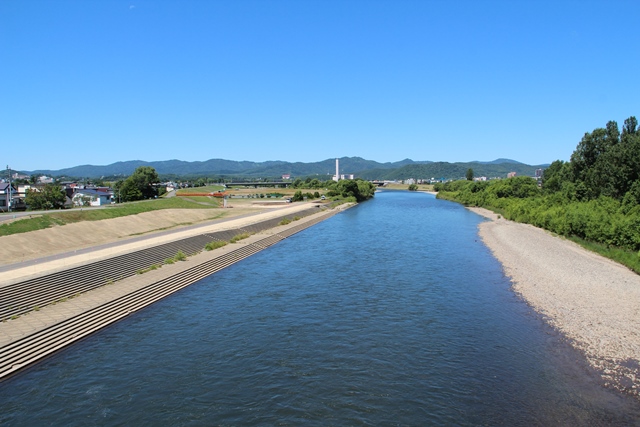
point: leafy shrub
(214, 245)
(239, 237)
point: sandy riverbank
(591, 300)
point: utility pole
(9, 192)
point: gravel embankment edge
(593, 301)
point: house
(169, 186)
(511, 174)
(286, 176)
(7, 192)
(91, 197)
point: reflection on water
(391, 313)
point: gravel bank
(593, 301)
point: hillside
(362, 168)
(444, 170)
(217, 167)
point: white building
(86, 197)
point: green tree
(469, 174)
(49, 197)
(297, 197)
(413, 187)
(555, 175)
(128, 192)
(140, 185)
(630, 126)
(606, 162)
(359, 189)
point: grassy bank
(603, 225)
(47, 220)
(205, 189)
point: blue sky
(95, 82)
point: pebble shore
(593, 301)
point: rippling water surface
(391, 313)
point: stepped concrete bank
(43, 330)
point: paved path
(32, 336)
(31, 268)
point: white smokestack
(337, 178)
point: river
(390, 313)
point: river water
(390, 313)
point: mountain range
(362, 168)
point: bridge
(283, 184)
(256, 184)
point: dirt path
(70, 237)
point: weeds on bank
(37, 307)
(239, 237)
(214, 245)
(150, 268)
(285, 221)
(180, 256)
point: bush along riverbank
(593, 199)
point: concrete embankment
(45, 330)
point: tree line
(356, 190)
(595, 196)
(142, 184)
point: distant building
(511, 174)
(286, 176)
(480, 178)
(18, 175)
(92, 197)
(7, 193)
(538, 173)
(347, 176)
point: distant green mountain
(444, 170)
(498, 161)
(219, 167)
(362, 168)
